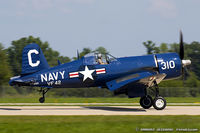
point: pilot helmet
(99, 56)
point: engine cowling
(170, 64)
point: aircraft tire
(42, 99)
(159, 103)
(146, 101)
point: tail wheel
(42, 99)
(159, 103)
(44, 91)
(146, 102)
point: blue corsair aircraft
(132, 76)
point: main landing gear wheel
(159, 103)
(146, 102)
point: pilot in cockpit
(99, 60)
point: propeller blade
(187, 71)
(185, 74)
(181, 51)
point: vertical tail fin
(33, 59)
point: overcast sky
(118, 25)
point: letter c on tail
(30, 58)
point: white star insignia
(87, 73)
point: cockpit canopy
(93, 59)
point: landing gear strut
(159, 103)
(44, 91)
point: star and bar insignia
(87, 73)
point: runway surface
(97, 110)
(93, 104)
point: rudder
(33, 59)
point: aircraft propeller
(181, 54)
(181, 51)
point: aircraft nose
(186, 62)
